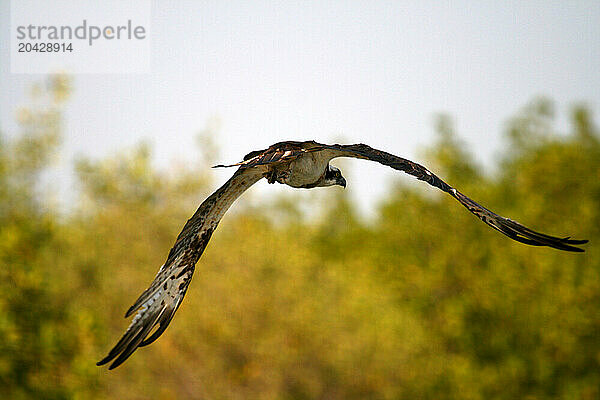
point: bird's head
(333, 176)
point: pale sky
(371, 72)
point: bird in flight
(299, 165)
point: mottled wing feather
(508, 227)
(157, 304)
(278, 153)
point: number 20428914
(45, 47)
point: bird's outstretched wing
(508, 227)
(157, 305)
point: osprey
(299, 165)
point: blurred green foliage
(424, 302)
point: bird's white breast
(307, 169)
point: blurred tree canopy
(427, 302)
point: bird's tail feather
(226, 166)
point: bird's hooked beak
(341, 181)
